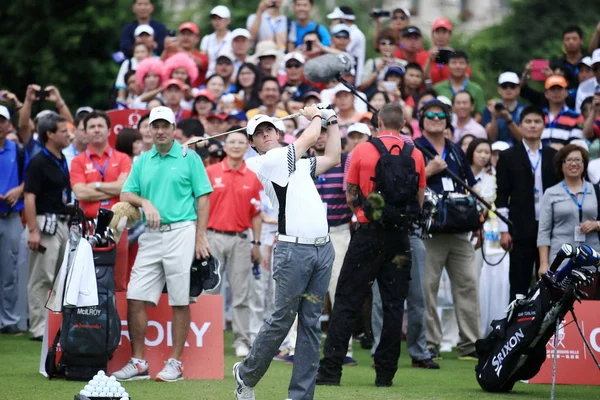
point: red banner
(120, 119)
(203, 356)
(574, 364)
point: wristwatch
(333, 122)
(98, 185)
(598, 222)
(255, 242)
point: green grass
(19, 379)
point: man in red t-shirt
(98, 174)
(233, 212)
(376, 252)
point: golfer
(303, 253)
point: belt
(6, 214)
(173, 226)
(242, 235)
(318, 241)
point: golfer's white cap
(256, 121)
(4, 112)
(162, 112)
(360, 128)
(500, 146)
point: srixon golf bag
(89, 335)
(516, 348)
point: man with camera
(268, 23)
(380, 248)
(501, 120)
(399, 20)
(450, 246)
(47, 193)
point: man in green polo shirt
(173, 190)
(458, 63)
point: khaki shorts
(164, 256)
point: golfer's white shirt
(290, 186)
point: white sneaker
(242, 351)
(132, 371)
(172, 372)
(242, 392)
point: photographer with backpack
(450, 246)
(385, 188)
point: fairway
(19, 362)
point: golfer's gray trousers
(415, 330)
(301, 274)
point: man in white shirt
(463, 106)
(303, 252)
(357, 46)
(219, 41)
(268, 23)
(589, 87)
(241, 40)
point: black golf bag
(89, 335)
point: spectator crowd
(534, 155)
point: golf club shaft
(200, 139)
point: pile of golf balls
(104, 386)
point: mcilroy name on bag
(508, 347)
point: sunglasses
(293, 65)
(508, 86)
(432, 115)
(400, 17)
(385, 42)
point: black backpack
(89, 335)
(394, 201)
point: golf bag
(516, 348)
(89, 335)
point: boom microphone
(326, 67)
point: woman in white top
(479, 154)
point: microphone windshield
(326, 67)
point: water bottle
(494, 229)
(256, 271)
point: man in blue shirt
(12, 164)
(143, 10)
(501, 121)
(303, 25)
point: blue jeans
(416, 340)
(301, 274)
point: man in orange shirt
(98, 174)
(236, 190)
(377, 251)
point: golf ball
(85, 393)
(117, 384)
(101, 373)
(121, 390)
(95, 394)
(102, 384)
(124, 394)
(88, 388)
(92, 383)
(112, 379)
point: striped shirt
(331, 189)
(562, 128)
(597, 127)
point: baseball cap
(360, 128)
(221, 11)
(310, 94)
(556, 80)
(581, 143)
(403, 10)
(442, 23)
(241, 32)
(86, 109)
(412, 31)
(227, 55)
(239, 116)
(341, 88)
(394, 69)
(341, 30)
(437, 102)
(256, 121)
(144, 28)
(190, 26)
(162, 112)
(336, 14)
(596, 56)
(222, 117)
(500, 146)
(174, 82)
(294, 56)
(366, 115)
(586, 61)
(205, 93)
(508, 77)
(4, 112)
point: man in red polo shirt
(98, 174)
(376, 252)
(441, 33)
(236, 190)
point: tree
(63, 43)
